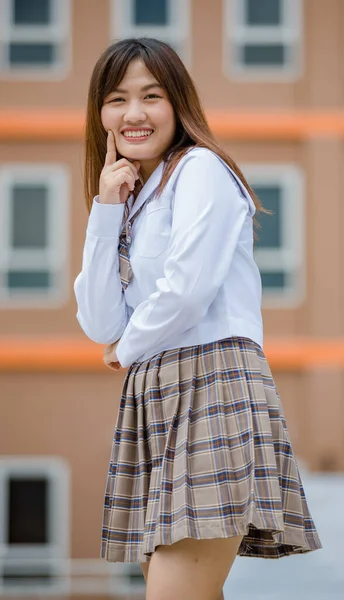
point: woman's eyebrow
(151, 85)
(145, 88)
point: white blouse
(194, 276)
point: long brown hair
(165, 65)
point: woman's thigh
(145, 570)
(190, 569)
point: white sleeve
(208, 215)
(102, 311)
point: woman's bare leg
(145, 570)
(191, 569)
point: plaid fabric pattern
(201, 449)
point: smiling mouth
(137, 135)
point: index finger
(111, 152)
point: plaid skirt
(201, 450)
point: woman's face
(141, 117)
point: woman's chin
(135, 154)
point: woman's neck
(147, 168)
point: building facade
(271, 80)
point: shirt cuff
(105, 220)
(124, 358)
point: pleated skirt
(201, 450)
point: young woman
(202, 467)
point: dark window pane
(28, 280)
(28, 511)
(270, 233)
(29, 216)
(151, 12)
(31, 12)
(275, 279)
(32, 54)
(264, 55)
(263, 12)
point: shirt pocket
(154, 234)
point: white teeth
(137, 133)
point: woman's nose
(134, 113)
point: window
(279, 249)
(33, 235)
(263, 39)
(34, 524)
(167, 20)
(34, 37)
(151, 12)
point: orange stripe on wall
(68, 124)
(42, 124)
(73, 354)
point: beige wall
(90, 32)
(60, 320)
(321, 85)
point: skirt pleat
(201, 450)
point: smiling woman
(202, 468)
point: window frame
(56, 554)
(237, 33)
(58, 33)
(176, 33)
(290, 258)
(55, 257)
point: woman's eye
(152, 96)
(117, 100)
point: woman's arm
(102, 311)
(208, 216)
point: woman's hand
(117, 179)
(110, 357)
